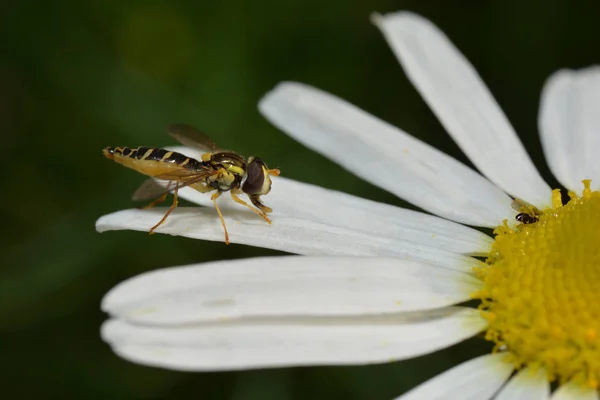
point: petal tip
(283, 92)
(107, 331)
(272, 94)
(105, 303)
(110, 222)
(591, 72)
(111, 298)
(101, 225)
(396, 17)
(376, 18)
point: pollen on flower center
(540, 294)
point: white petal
(293, 235)
(572, 391)
(463, 104)
(272, 342)
(477, 379)
(304, 201)
(528, 384)
(569, 124)
(286, 286)
(384, 155)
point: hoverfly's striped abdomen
(148, 154)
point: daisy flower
(380, 283)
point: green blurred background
(76, 76)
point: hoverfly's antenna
(273, 172)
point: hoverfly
(217, 171)
(528, 214)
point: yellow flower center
(541, 292)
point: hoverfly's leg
(157, 201)
(242, 202)
(214, 198)
(255, 199)
(173, 206)
(145, 187)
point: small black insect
(528, 214)
(525, 218)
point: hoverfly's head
(257, 181)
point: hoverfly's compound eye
(256, 179)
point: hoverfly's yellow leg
(157, 201)
(173, 206)
(162, 198)
(214, 198)
(242, 202)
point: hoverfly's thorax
(229, 159)
(231, 162)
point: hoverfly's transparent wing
(153, 188)
(193, 138)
